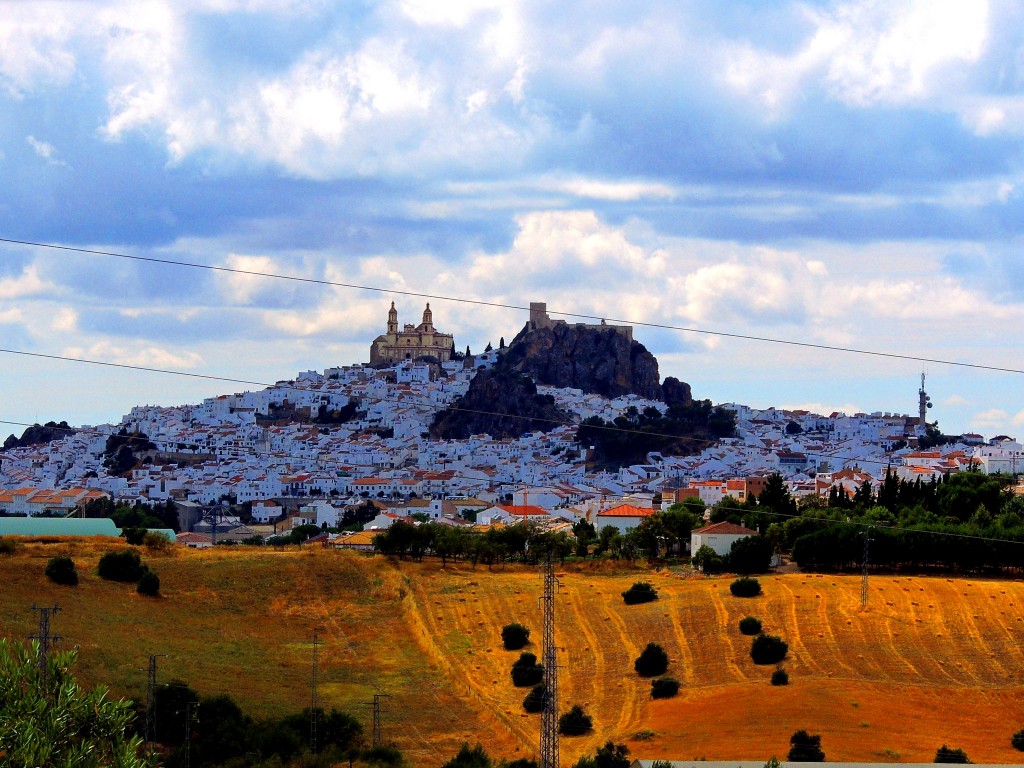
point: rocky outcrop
(39, 435)
(676, 392)
(602, 360)
(502, 403)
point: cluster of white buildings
(244, 448)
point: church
(411, 342)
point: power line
(500, 305)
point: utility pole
(313, 697)
(151, 701)
(189, 706)
(44, 637)
(867, 556)
(549, 717)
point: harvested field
(932, 660)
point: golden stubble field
(932, 661)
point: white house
(720, 537)
(622, 517)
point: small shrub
(768, 649)
(946, 754)
(149, 584)
(133, 536)
(121, 566)
(652, 661)
(664, 688)
(534, 701)
(575, 722)
(7, 547)
(61, 570)
(707, 560)
(745, 586)
(514, 636)
(1018, 740)
(780, 677)
(805, 748)
(641, 592)
(750, 625)
(526, 671)
(156, 542)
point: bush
(652, 661)
(7, 547)
(1018, 740)
(745, 586)
(946, 754)
(514, 636)
(641, 592)
(61, 570)
(750, 625)
(752, 554)
(768, 649)
(526, 671)
(534, 701)
(780, 677)
(121, 566)
(156, 542)
(575, 722)
(805, 748)
(707, 560)
(149, 584)
(133, 536)
(664, 688)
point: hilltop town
(304, 449)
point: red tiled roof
(726, 529)
(626, 510)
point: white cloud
(12, 316)
(65, 320)
(35, 44)
(28, 283)
(993, 418)
(141, 355)
(956, 401)
(868, 52)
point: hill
(932, 661)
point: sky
(844, 174)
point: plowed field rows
(932, 660)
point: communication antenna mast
(923, 404)
(44, 637)
(549, 717)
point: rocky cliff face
(597, 359)
(39, 435)
(501, 403)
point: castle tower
(428, 320)
(393, 319)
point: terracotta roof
(526, 510)
(626, 510)
(726, 529)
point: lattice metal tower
(549, 717)
(867, 558)
(44, 637)
(376, 718)
(314, 703)
(151, 701)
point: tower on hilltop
(411, 342)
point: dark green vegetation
(61, 570)
(121, 566)
(609, 755)
(685, 428)
(640, 592)
(514, 636)
(745, 586)
(805, 748)
(946, 754)
(664, 687)
(780, 677)
(534, 701)
(968, 523)
(750, 625)
(575, 722)
(526, 671)
(652, 661)
(1018, 740)
(138, 516)
(149, 584)
(47, 719)
(768, 649)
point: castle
(411, 342)
(539, 318)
